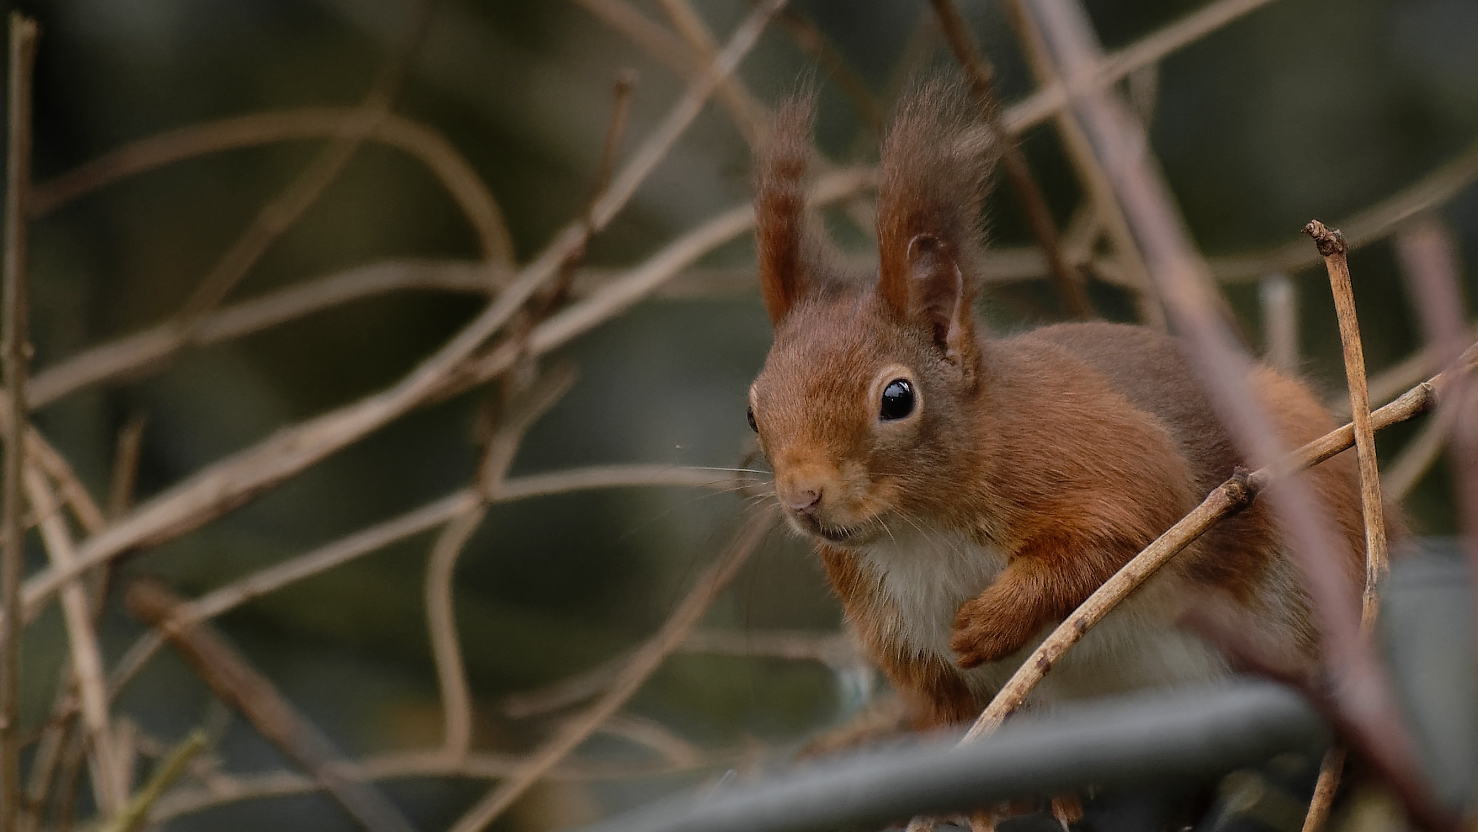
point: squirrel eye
(752, 425)
(898, 400)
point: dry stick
(1227, 498)
(16, 353)
(1429, 261)
(643, 664)
(1090, 171)
(1331, 246)
(230, 482)
(87, 662)
(137, 811)
(1198, 311)
(126, 466)
(426, 145)
(417, 521)
(1067, 280)
(1151, 49)
(234, 681)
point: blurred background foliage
(1307, 108)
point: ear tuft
(935, 171)
(780, 206)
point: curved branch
(425, 144)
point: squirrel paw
(985, 632)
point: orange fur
(1029, 468)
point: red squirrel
(965, 492)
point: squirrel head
(864, 405)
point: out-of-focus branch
(16, 355)
(232, 679)
(426, 145)
(136, 812)
(642, 665)
(87, 659)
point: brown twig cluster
(1127, 233)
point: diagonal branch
(642, 665)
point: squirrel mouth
(842, 535)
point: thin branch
(234, 681)
(441, 622)
(87, 660)
(1331, 245)
(417, 521)
(16, 353)
(749, 114)
(1220, 503)
(642, 665)
(1067, 280)
(1114, 67)
(421, 142)
(228, 483)
(649, 733)
(137, 811)
(126, 466)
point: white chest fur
(927, 576)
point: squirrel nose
(804, 499)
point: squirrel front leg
(1041, 585)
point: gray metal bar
(1157, 738)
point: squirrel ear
(780, 208)
(938, 295)
(935, 171)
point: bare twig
(235, 480)
(809, 37)
(16, 353)
(126, 466)
(1331, 246)
(426, 145)
(239, 685)
(411, 523)
(87, 660)
(642, 665)
(1223, 501)
(1067, 280)
(749, 115)
(137, 811)
(456, 700)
